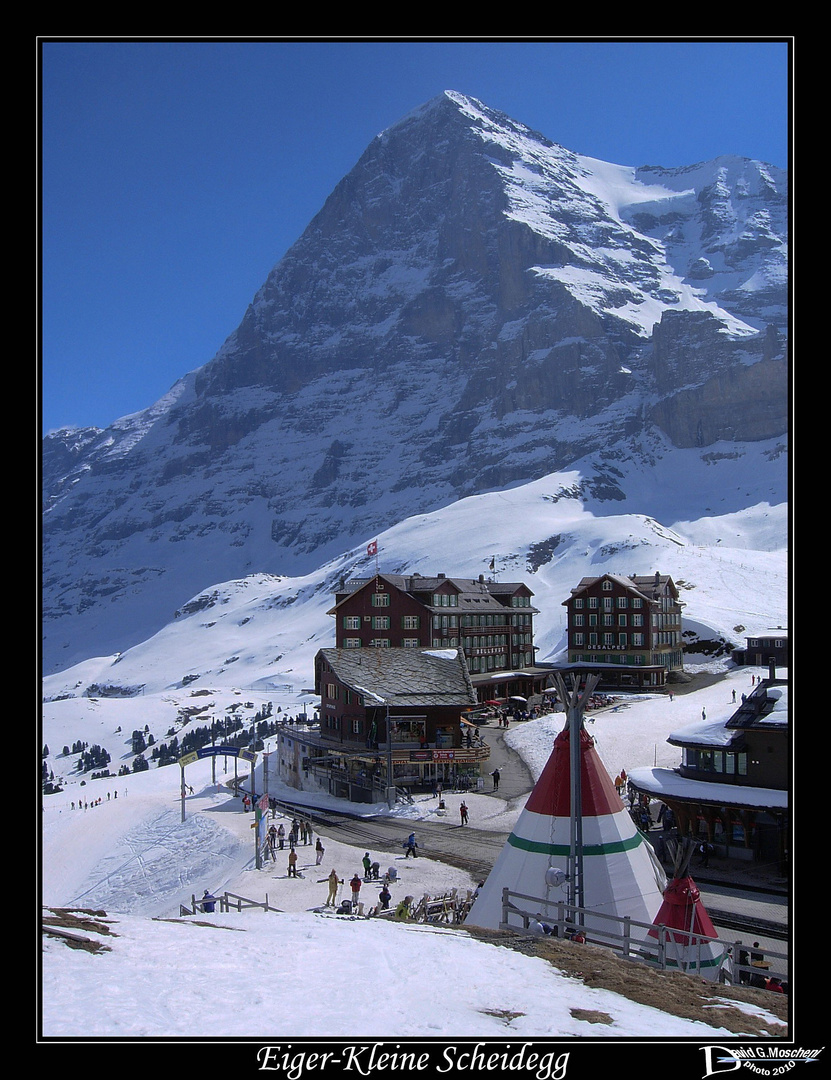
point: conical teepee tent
(687, 922)
(619, 873)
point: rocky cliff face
(472, 307)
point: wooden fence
(644, 942)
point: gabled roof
(474, 594)
(404, 676)
(648, 586)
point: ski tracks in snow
(151, 867)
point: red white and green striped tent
(621, 875)
(687, 926)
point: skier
(355, 885)
(367, 863)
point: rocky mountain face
(474, 306)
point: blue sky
(175, 175)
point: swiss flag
(372, 549)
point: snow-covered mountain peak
(474, 307)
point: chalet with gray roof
(392, 713)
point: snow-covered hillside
(261, 633)
(473, 308)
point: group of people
(94, 802)
(372, 872)
(275, 840)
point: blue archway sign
(213, 752)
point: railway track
(729, 920)
(466, 848)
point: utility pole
(573, 703)
(390, 781)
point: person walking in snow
(411, 846)
(495, 775)
(367, 864)
(281, 835)
(292, 863)
(355, 886)
(334, 883)
(463, 813)
(319, 852)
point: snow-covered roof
(766, 707)
(668, 783)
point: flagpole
(372, 549)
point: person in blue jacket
(208, 902)
(411, 846)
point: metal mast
(573, 703)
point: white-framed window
(380, 643)
(593, 602)
(352, 643)
(578, 639)
(410, 643)
(352, 622)
(578, 620)
(380, 599)
(607, 586)
(380, 622)
(578, 603)
(410, 622)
